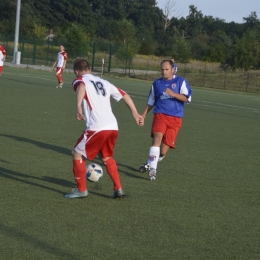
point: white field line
(30, 76)
(225, 105)
(206, 103)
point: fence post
(22, 51)
(204, 75)
(147, 69)
(27, 55)
(247, 81)
(93, 55)
(47, 58)
(52, 51)
(225, 77)
(110, 56)
(34, 52)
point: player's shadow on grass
(40, 144)
(29, 180)
(34, 242)
(138, 175)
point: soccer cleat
(60, 85)
(152, 174)
(145, 167)
(76, 194)
(118, 194)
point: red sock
(59, 78)
(113, 172)
(79, 170)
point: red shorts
(169, 126)
(59, 71)
(91, 143)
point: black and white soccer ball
(94, 172)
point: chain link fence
(198, 74)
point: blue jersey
(164, 103)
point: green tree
(199, 46)
(252, 22)
(78, 42)
(183, 51)
(38, 32)
(125, 36)
(218, 47)
(194, 22)
(245, 52)
(124, 32)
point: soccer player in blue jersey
(167, 96)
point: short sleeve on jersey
(76, 83)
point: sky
(229, 10)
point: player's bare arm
(129, 102)
(180, 97)
(80, 92)
(146, 110)
(54, 64)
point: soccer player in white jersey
(2, 57)
(60, 64)
(99, 138)
(167, 96)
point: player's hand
(80, 116)
(169, 92)
(140, 120)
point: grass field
(205, 203)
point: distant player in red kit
(61, 64)
(93, 105)
(2, 57)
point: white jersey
(1, 59)
(62, 56)
(96, 103)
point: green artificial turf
(205, 203)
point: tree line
(139, 25)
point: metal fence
(198, 74)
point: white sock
(154, 156)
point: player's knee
(104, 160)
(76, 156)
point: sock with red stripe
(113, 172)
(79, 171)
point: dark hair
(81, 64)
(169, 61)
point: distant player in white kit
(2, 57)
(61, 64)
(99, 138)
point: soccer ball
(94, 172)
